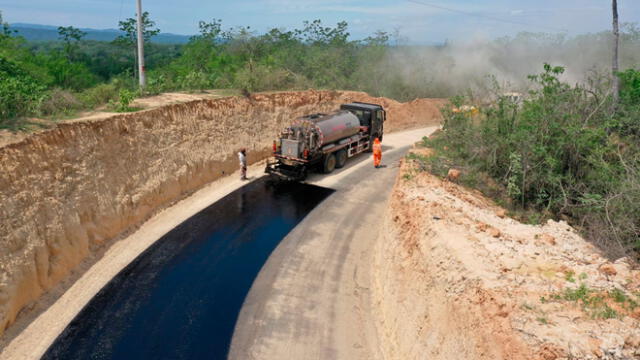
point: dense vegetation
(58, 79)
(564, 151)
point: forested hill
(34, 32)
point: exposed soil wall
(66, 192)
(455, 278)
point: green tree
(209, 30)
(20, 94)
(130, 36)
(70, 36)
(130, 29)
(5, 30)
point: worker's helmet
(376, 141)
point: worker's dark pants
(243, 172)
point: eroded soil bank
(454, 278)
(68, 192)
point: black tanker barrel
(337, 126)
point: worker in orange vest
(377, 152)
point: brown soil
(67, 192)
(456, 279)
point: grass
(583, 276)
(569, 276)
(597, 304)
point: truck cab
(371, 116)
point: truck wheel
(341, 158)
(329, 163)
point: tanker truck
(325, 141)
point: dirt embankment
(67, 192)
(454, 278)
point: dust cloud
(479, 63)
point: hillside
(455, 278)
(35, 32)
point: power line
(485, 16)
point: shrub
(125, 98)
(258, 77)
(99, 95)
(60, 102)
(20, 95)
(563, 152)
(67, 74)
(196, 80)
(157, 84)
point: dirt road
(311, 299)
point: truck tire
(329, 163)
(341, 158)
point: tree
(5, 31)
(616, 43)
(210, 30)
(71, 36)
(129, 28)
(130, 36)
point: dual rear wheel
(334, 161)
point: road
(311, 299)
(180, 299)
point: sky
(418, 21)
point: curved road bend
(181, 297)
(311, 299)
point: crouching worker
(242, 156)
(377, 152)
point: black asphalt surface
(180, 298)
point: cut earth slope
(454, 278)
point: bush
(60, 102)
(67, 74)
(157, 84)
(260, 78)
(196, 80)
(99, 95)
(20, 95)
(561, 151)
(125, 98)
(628, 122)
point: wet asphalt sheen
(180, 298)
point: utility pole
(616, 42)
(141, 73)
